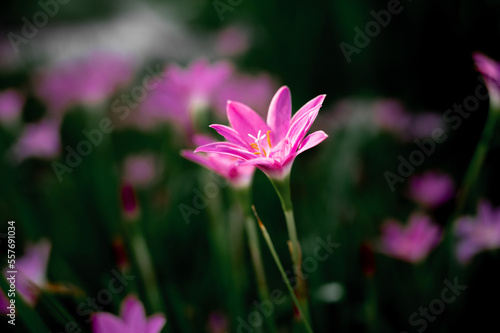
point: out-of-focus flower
(217, 323)
(423, 124)
(272, 146)
(129, 201)
(225, 166)
(367, 257)
(132, 319)
(185, 94)
(31, 273)
(391, 115)
(411, 243)
(141, 170)
(40, 140)
(11, 105)
(490, 70)
(431, 189)
(86, 81)
(478, 233)
(232, 41)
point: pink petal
(200, 159)
(312, 140)
(133, 314)
(279, 114)
(225, 148)
(155, 323)
(299, 128)
(245, 121)
(104, 322)
(312, 104)
(229, 134)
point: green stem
(243, 196)
(284, 276)
(477, 159)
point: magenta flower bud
(129, 200)
(490, 70)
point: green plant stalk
(282, 187)
(244, 199)
(283, 274)
(478, 158)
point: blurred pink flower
(11, 106)
(40, 140)
(239, 176)
(478, 233)
(391, 115)
(490, 70)
(85, 81)
(132, 319)
(141, 170)
(31, 273)
(423, 124)
(273, 146)
(411, 243)
(185, 93)
(232, 41)
(431, 189)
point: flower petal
(229, 134)
(225, 148)
(299, 128)
(312, 140)
(104, 322)
(313, 103)
(279, 114)
(155, 323)
(245, 120)
(133, 314)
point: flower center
(257, 144)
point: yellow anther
(269, 138)
(264, 151)
(257, 153)
(254, 146)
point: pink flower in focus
(132, 319)
(40, 140)
(239, 176)
(431, 189)
(479, 233)
(232, 41)
(141, 170)
(87, 81)
(185, 92)
(411, 243)
(490, 70)
(272, 146)
(11, 106)
(31, 276)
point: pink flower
(490, 70)
(11, 106)
(87, 81)
(132, 319)
(141, 170)
(185, 92)
(411, 243)
(38, 140)
(431, 189)
(31, 273)
(272, 146)
(232, 41)
(239, 176)
(391, 115)
(479, 233)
